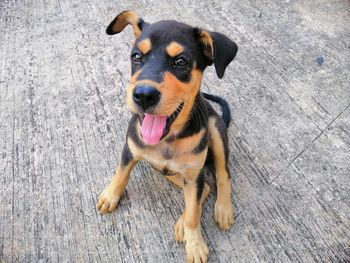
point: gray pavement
(63, 120)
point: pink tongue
(152, 128)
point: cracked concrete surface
(63, 121)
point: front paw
(196, 249)
(108, 200)
(224, 214)
(179, 228)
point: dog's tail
(226, 113)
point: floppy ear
(217, 48)
(122, 20)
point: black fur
(132, 131)
(157, 61)
(226, 113)
(203, 144)
(166, 172)
(200, 185)
(109, 30)
(126, 155)
(142, 24)
(152, 67)
(197, 120)
(224, 52)
(164, 32)
(220, 125)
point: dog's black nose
(145, 96)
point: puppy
(173, 126)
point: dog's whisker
(200, 111)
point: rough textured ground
(63, 120)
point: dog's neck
(192, 119)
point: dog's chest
(167, 161)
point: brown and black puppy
(173, 127)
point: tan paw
(196, 249)
(179, 229)
(107, 201)
(224, 214)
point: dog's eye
(180, 62)
(136, 57)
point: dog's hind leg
(219, 148)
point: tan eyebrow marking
(145, 45)
(174, 49)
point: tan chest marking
(175, 157)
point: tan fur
(109, 198)
(188, 166)
(192, 206)
(223, 205)
(174, 49)
(127, 18)
(145, 45)
(174, 92)
(179, 227)
(184, 163)
(195, 244)
(188, 227)
(208, 44)
(176, 179)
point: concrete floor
(63, 120)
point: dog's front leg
(219, 148)
(195, 192)
(110, 196)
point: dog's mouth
(156, 127)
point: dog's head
(168, 59)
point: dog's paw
(179, 229)
(107, 201)
(196, 249)
(224, 214)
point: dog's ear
(217, 48)
(122, 20)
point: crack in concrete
(308, 145)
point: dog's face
(165, 70)
(167, 62)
